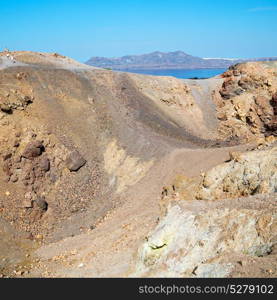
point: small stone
(21, 75)
(7, 168)
(7, 156)
(16, 144)
(30, 236)
(7, 178)
(28, 196)
(17, 159)
(27, 203)
(53, 177)
(44, 164)
(25, 182)
(18, 273)
(14, 178)
(75, 161)
(41, 203)
(5, 107)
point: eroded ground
(107, 174)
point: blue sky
(81, 29)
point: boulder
(75, 161)
(33, 149)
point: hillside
(164, 60)
(113, 174)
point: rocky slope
(93, 160)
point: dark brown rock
(41, 203)
(33, 149)
(5, 107)
(273, 103)
(75, 161)
(16, 144)
(7, 156)
(26, 100)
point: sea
(181, 73)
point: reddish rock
(33, 149)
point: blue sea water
(181, 73)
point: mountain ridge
(166, 60)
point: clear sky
(81, 29)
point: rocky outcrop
(203, 240)
(244, 174)
(246, 103)
(214, 222)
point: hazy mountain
(164, 60)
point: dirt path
(202, 93)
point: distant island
(166, 60)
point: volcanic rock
(75, 161)
(33, 149)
